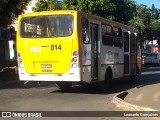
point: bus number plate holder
(46, 65)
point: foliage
(147, 21)
(10, 9)
(103, 8)
(46, 5)
(125, 10)
(118, 10)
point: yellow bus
(68, 46)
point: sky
(149, 3)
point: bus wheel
(64, 85)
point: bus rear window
(46, 26)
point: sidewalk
(143, 98)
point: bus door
(133, 53)
(94, 50)
(126, 52)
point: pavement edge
(119, 102)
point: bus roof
(128, 28)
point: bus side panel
(85, 48)
(112, 52)
(86, 62)
(108, 59)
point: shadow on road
(150, 75)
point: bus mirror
(85, 37)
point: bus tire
(64, 85)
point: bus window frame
(126, 44)
(117, 37)
(52, 36)
(107, 35)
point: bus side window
(85, 31)
(133, 46)
(126, 42)
(120, 37)
(107, 35)
(118, 41)
(116, 37)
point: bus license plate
(46, 65)
(47, 70)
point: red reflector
(46, 65)
(19, 54)
(75, 53)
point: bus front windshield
(46, 26)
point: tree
(10, 9)
(46, 5)
(103, 8)
(154, 12)
(117, 10)
(124, 11)
(141, 21)
(147, 21)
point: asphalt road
(32, 97)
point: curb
(118, 100)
